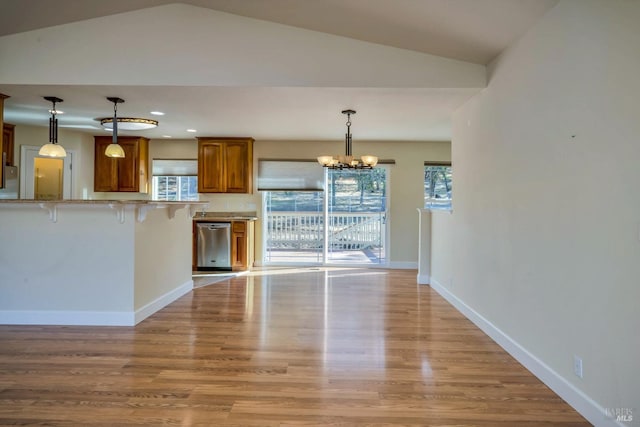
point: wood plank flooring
(287, 347)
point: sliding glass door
(345, 224)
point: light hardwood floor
(287, 347)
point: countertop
(225, 216)
(102, 202)
(141, 207)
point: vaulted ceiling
(271, 69)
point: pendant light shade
(53, 149)
(114, 149)
(348, 161)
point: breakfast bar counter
(92, 262)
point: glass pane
(295, 226)
(357, 214)
(175, 188)
(437, 187)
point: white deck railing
(304, 230)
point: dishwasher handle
(214, 226)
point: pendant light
(347, 161)
(114, 149)
(53, 149)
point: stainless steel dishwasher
(214, 246)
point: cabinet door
(237, 172)
(2, 98)
(105, 169)
(238, 245)
(7, 142)
(128, 170)
(143, 166)
(210, 167)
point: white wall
(204, 47)
(162, 254)
(546, 213)
(442, 250)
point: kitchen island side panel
(83, 263)
(163, 259)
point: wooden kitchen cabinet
(8, 142)
(129, 174)
(225, 165)
(242, 245)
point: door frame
(67, 164)
(325, 262)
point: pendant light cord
(114, 138)
(53, 125)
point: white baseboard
(92, 318)
(67, 318)
(582, 403)
(162, 301)
(423, 279)
(396, 265)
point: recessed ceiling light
(191, 130)
(166, 136)
(157, 113)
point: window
(175, 179)
(437, 185)
(175, 188)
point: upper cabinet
(225, 165)
(130, 174)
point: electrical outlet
(577, 366)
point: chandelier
(348, 161)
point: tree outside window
(437, 185)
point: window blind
(174, 167)
(290, 175)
